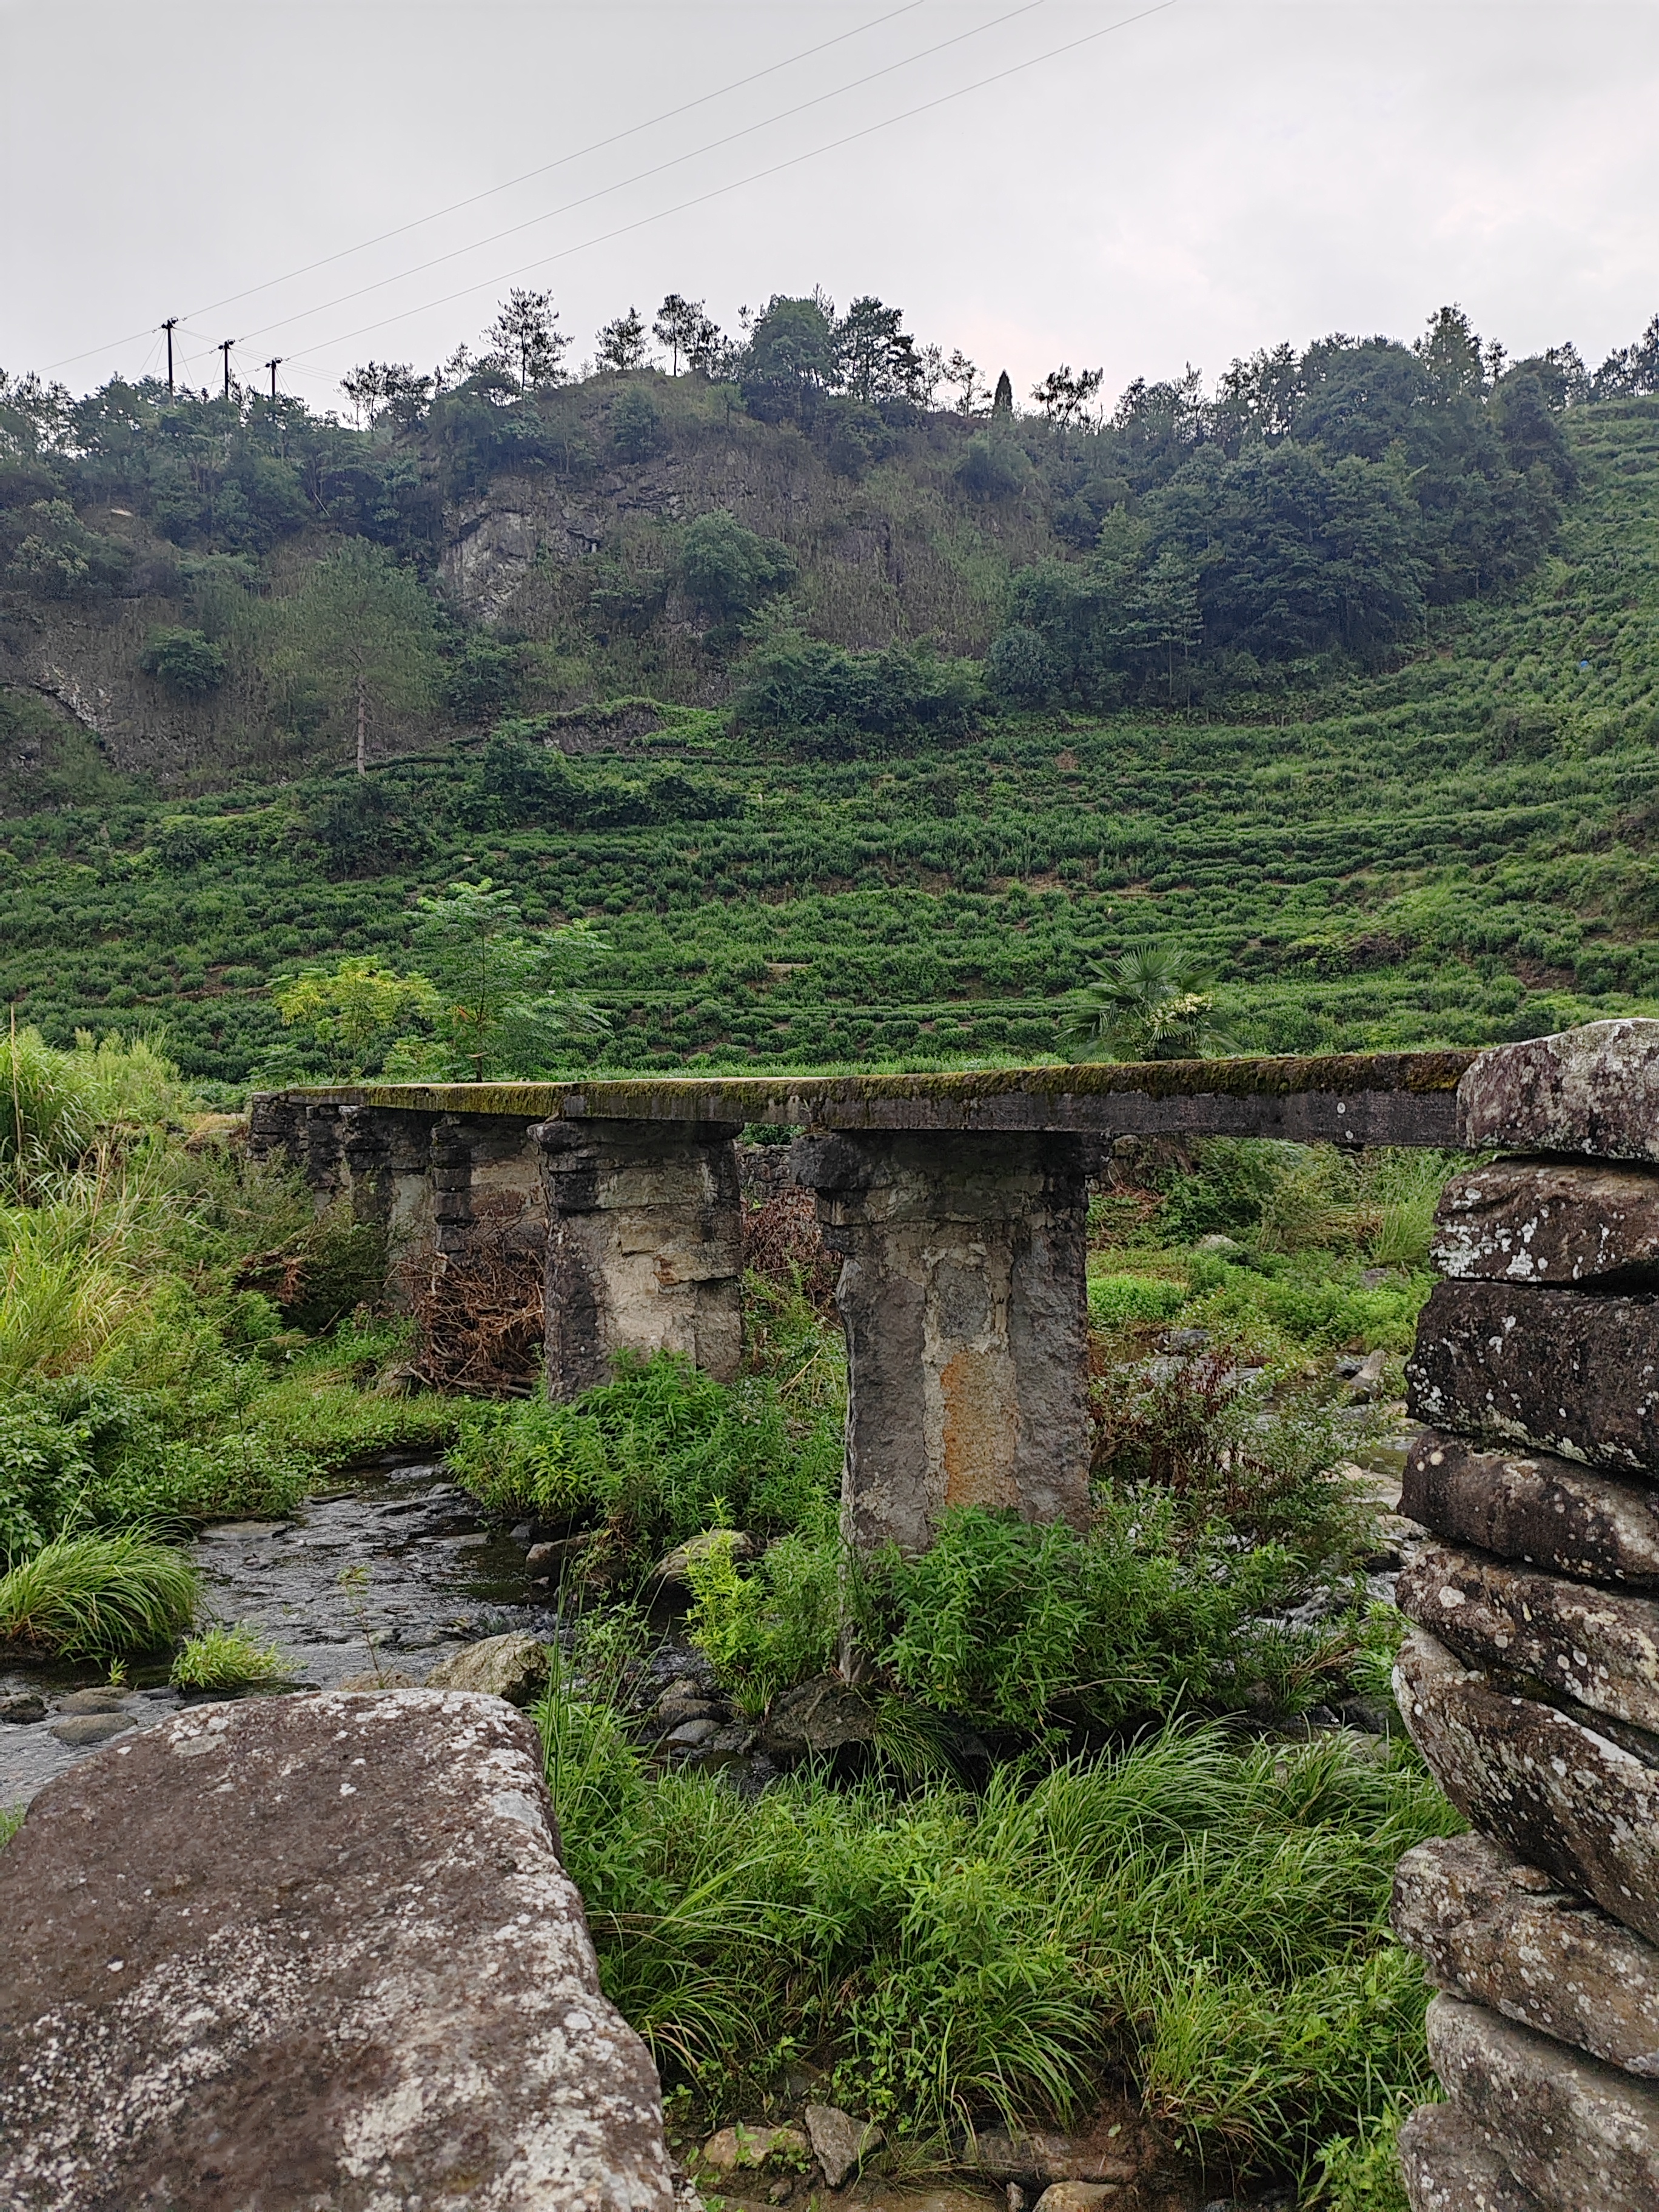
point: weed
(225, 1658)
(84, 1596)
(11, 1819)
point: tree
(188, 663)
(1451, 351)
(525, 335)
(507, 995)
(360, 632)
(729, 571)
(687, 332)
(1151, 1003)
(356, 1012)
(381, 386)
(1003, 402)
(961, 375)
(875, 357)
(790, 358)
(636, 424)
(1064, 397)
(622, 348)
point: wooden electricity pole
(273, 366)
(225, 346)
(169, 326)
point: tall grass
(91, 1595)
(1211, 1922)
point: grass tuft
(225, 1658)
(89, 1596)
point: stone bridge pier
(962, 1293)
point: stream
(435, 1577)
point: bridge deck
(1354, 1098)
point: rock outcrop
(312, 1954)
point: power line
(757, 176)
(642, 176)
(437, 215)
(597, 146)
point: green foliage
(190, 664)
(955, 1957)
(833, 705)
(225, 1657)
(91, 1595)
(781, 1625)
(636, 424)
(507, 996)
(11, 1819)
(359, 636)
(660, 1453)
(1114, 1301)
(728, 572)
(1015, 1624)
(1151, 1003)
(356, 1012)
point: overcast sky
(1212, 178)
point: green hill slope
(1457, 851)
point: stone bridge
(958, 1204)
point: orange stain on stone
(979, 1431)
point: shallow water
(436, 1578)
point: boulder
(1593, 1090)
(1559, 1794)
(1548, 1221)
(1601, 1647)
(839, 2141)
(1447, 2167)
(1582, 2137)
(1550, 1371)
(673, 1571)
(513, 1667)
(1504, 1935)
(312, 1951)
(23, 1707)
(1079, 2197)
(1552, 1513)
(81, 1729)
(734, 2149)
(820, 1717)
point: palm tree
(1151, 1003)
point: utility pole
(273, 366)
(225, 346)
(169, 326)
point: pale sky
(1212, 178)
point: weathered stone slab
(962, 1295)
(1584, 2137)
(1601, 1647)
(1504, 1935)
(313, 1954)
(645, 1247)
(1552, 1513)
(1560, 1795)
(1556, 1371)
(1548, 1221)
(513, 1667)
(1447, 2167)
(1593, 1089)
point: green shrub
(91, 1595)
(11, 1819)
(225, 1658)
(766, 1631)
(1117, 1300)
(189, 664)
(661, 1453)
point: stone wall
(1531, 1680)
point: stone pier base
(962, 1295)
(644, 1245)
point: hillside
(1371, 846)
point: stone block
(312, 1951)
(1551, 1371)
(1561, 1796)
(1505, 1936)
(962, 1296)
(1584, 2137)
(1592, 1090)
(645, 1247)
(1552, 1513)
(513, 1667)
(1600, 1647)
(1447, 2168)
(1548, 1221)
